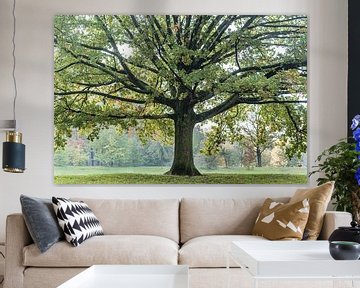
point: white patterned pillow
(77, 220)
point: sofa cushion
(319, 198)
(41, 221)
(201, 217)
(279, 221)
(35, 277)
(107, 249)
(77, 220)
(158, 217)
(211, 251)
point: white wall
(327, 89)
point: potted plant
(341, 163)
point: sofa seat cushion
(211, 251)
(107, 249)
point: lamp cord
(14, 60)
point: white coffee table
(131, 276)
(293, 260)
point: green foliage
(142, 72)
(113, 149)
(159, 170)
(339, 163)
(167, 179)
(73, 155)
(119, 149)
(249, 157)
(108, 148)
(259, 128)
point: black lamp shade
(13, 157)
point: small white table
(131, 276)
(293, 260)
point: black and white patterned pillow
(77, 220)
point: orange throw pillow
(279, 221)
(319, 198)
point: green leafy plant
(341, 163)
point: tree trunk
(226, 161)
(183, 162)
(258, 157)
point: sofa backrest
(159, 217)
(200, 217)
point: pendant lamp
(13, 159)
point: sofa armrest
(17, 237)
(333, 220)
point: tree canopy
(164, 74)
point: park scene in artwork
(180, 99)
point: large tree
(165, 74)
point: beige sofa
(194, 232)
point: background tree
(249, 157)
(258, 132)
(258, 128)
(108, 148)
(165, 74)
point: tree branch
(277, 35)
(202, 96)
(90, 85)
(163, 100)
(102, 67)
(194, 36)
(284, 20)
(138, 117)
(67, 66)
(132, 78)
(235, 100)
(97, 93)
(216, 36)
(292, 119)
(97, 65)
(273, 67)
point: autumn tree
(258, 127)
(257, 131)
(165, 74)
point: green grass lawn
(154, 175)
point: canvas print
(180, 99)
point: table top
(131, 276)
(291, 259)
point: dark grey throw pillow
(41, 221)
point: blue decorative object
(355, 122)
(356, 134)
(355, 126)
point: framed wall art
(180, 99)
